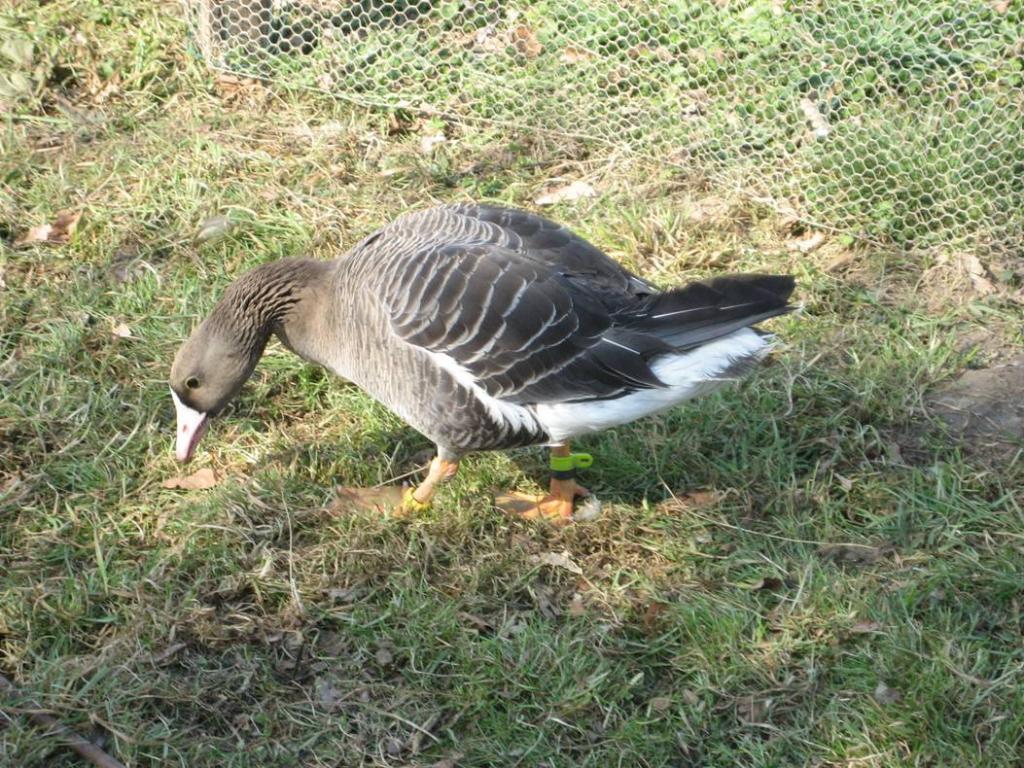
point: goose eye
(192, 382)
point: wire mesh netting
(897, 121)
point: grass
(779, 577)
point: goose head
(208, 371)
(220, 355)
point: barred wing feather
(525, 332)
(535, 314)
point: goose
(484, 328)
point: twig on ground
(404, 475)
(37, 716)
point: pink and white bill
(191, 427)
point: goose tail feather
(687, 317)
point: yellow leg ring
(411, 504)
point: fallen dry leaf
(525, 41)
(661, 703)
(225, 80)
(162, 657)
(403, 122)
(558, 560)
(647, 51)
(232, 87)
(840, 262)
(852, 554)
(651, 617)
(386, 500)
(709, 210)
(1001, 6)
(58, 232)
(574, 191)
(809, 244)
(102, 91)
(199, 480)
(122, 331)
(213, 229)
(574, 55)
(699, 498)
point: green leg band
(571, 462)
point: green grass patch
(777, 578)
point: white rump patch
(688, 375)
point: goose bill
(191, 427)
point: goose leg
(557, 506)
(419, 498)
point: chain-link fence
(901, 121)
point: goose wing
(557, 246)
(525, 331)
(535, 314)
